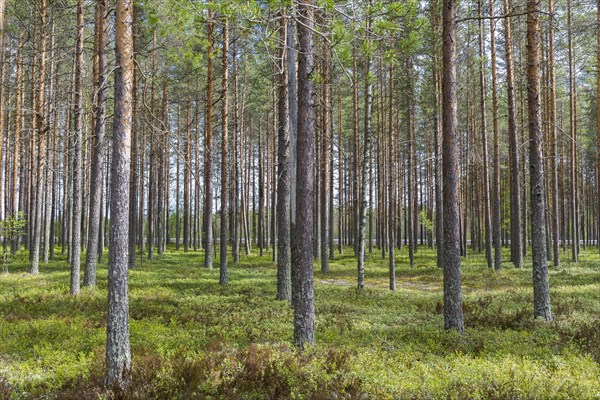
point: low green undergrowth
(192, 338)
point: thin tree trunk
(412, 187)
(235, 242)
(283, 171)
(515, 197)
(75, 249)
(554, 215)
(224, 156)
(391, 185)
(439, 208)
(484, 134)
(207, 232)
(54, 96)
(365, 166)
(99, 110)
(186, 179)
(325, 161)
(152, 159)
(134, 184)
(573, 141)
(41, 137)
(496, 201)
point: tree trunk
(207, 232)
(439, 208)
(573, 141)
(99, 109)
(391, 185)
(325, 161)
(186, 178)
(365, 166)
(515, 197)
(75, 249)
(283, 171)
(484, 133)
(118, 353)
(235, 242)
(541, 290)
(41, 137)
(304, 308)
(453, 314)
(554, 215)
(496, 201)
(411, 169)
(51, 138)
(224, 156)
(14, 245)
(134, 184)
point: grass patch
(193, 339)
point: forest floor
(192, 338)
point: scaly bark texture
(118, 352)
(99, 109)
(304, 309)
(541, 289)
(453, 314)
(284, 287)
(41, 138)
(516, 251)
(75, 248)
(496, 204)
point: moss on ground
(193, 339)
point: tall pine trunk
(75, 249)
(99, 109)
(41, 138)
(302, 251)
(513, 146)
(283, 171)
(453, 314)
(364, 190)
(207, 232)
(541, 290)
(118, 352)
(224, 157)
